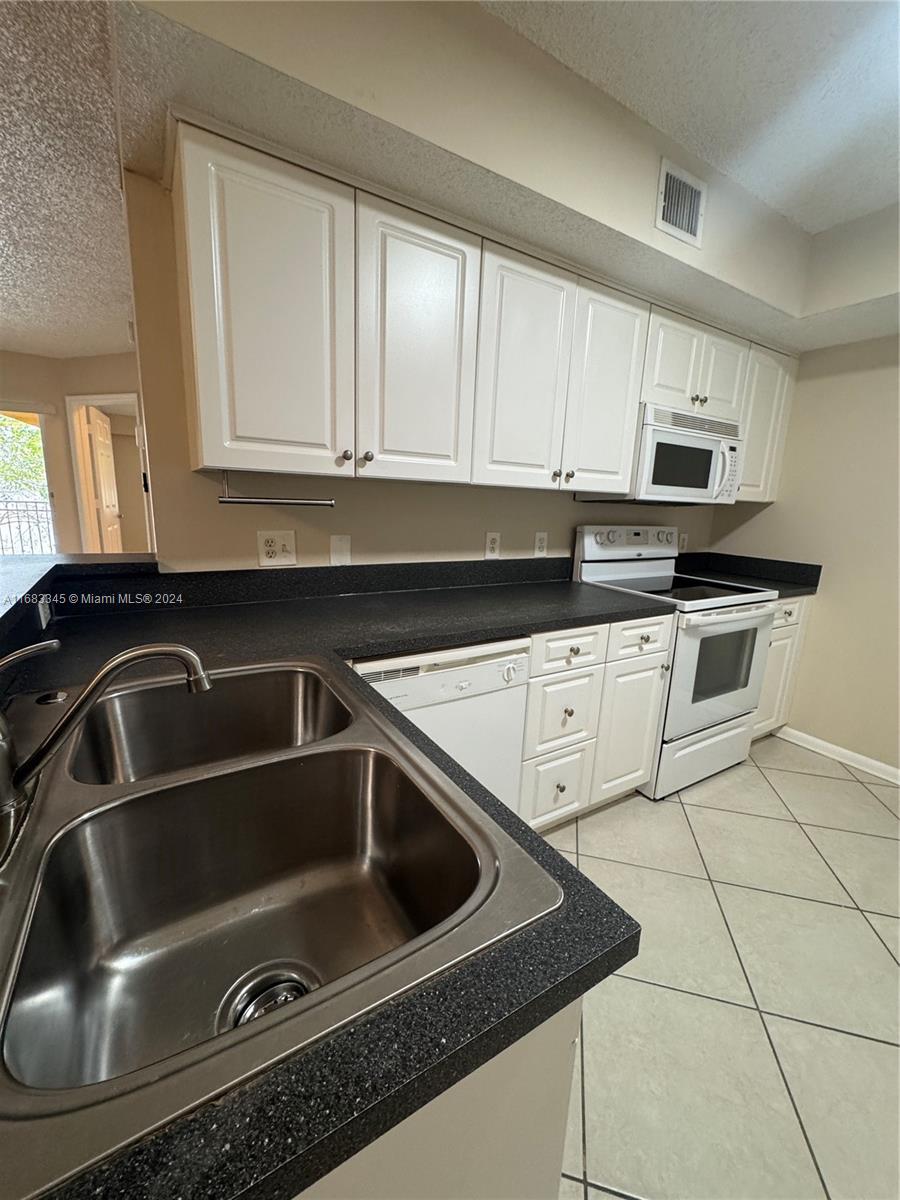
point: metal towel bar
(227, 498)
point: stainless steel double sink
(208, 883)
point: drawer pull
(788, 612)
(573, 650)
(645, 639)
(560, 787)
(570, 712)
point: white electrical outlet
(276, 548)
(492, 545)
(682, 541)
(540, 545)
(340, 549)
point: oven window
(681, 466)
(723, 663)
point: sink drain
(265, 989)
(270, 999)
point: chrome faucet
(15, 777)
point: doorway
(26, 516)
(107, 461)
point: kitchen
(589, 491)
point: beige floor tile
(868, 867)
(887, 795)
(572, 858)
(641, 832)
(743, 788)
(866, 777)
(776, 752)
(836, 803)
(570, 1190)
(573, 1155)
(846, 1090)
(684, 940)
(814, 961)
(563, 837)
(889, 929)
(684, 1100)
(759, 852)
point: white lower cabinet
(772, 711)
(633, 690)
(562, 709)
(556, 785)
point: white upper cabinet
(524, 345)
(604, 389)
(767, 406)
(417, 327)
(267, 277)
(694, 367)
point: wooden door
(106, 496)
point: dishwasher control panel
(421, 680)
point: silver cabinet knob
(556, 475)
(560, 787)
(368, 456)
(645, 639)
(347, 455)
(665, 667)
(569, 475)
(788, 612)
(705, 400)
(695, 399)
(574, 650)
(570, 712)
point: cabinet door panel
(604, 389)
(672, 364)
(562, 710)
(772, 711)
(524, 346)
(266, 262)
(765, 417)
(722, 375)
(629, 719)
(556, 785)
(417, 329)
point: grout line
(640, 866)
(581, 1034)
(601, 1187)
(848, 778)
(875, 796)
(762, 1022)
(670, 987)
(885, 837)
(863, 1037)
(739, 812)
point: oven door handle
(759, 615)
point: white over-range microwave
(685, 458)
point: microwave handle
(721, 472)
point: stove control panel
(641, 541)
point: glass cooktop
(686, 587)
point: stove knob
(670, 536)
(598, 538)
(613, 536)
(660, 535)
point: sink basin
(174, 916)
(139, 732)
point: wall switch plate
(276, 548)
(340, 549)
(540, 545)
(492, 545)
(682, 541)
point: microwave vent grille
(696, 423)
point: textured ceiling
(65, 285)
(163, 64)
(795, 101)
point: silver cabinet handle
(570, 712)
(560, 787)
(573, 650)
(368, 456)
(347, 455)
(556, 475)
(645, 639)
(569, 475)
(695, 399)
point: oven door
(718, 667)
(673, 465)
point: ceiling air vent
(680, 204)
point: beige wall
(838, 506)
(30, 381)
(853, 262)
(387, 521)
(127, 459)
(495, 99)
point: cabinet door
(772, 711)
(723, 373)
(562, 710)
(524, 346)
(267, 274)
(629, 721)
(767, 403)
(417, 324)
(556, 785)
(604, 389)
(672, 362)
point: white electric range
(721, 644)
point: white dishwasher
(471, 701)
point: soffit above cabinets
(166, 67)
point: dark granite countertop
(787, 578)
(270, 1137)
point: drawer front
(556, 785)
(569, 649)
(628, 639)
(562, 710)
(788, 612)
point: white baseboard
(883, 770)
